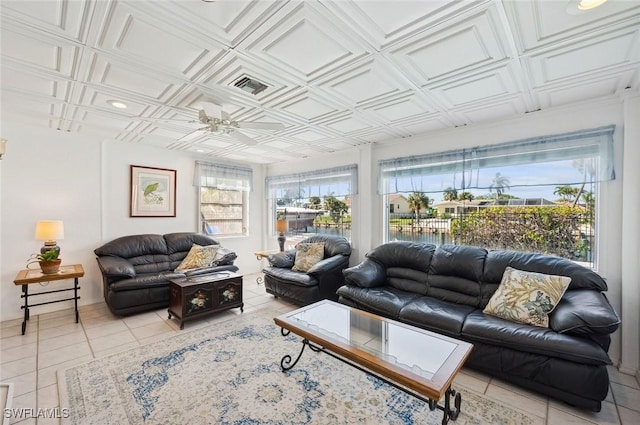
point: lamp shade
(49, 230)
(281, 225)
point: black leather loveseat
(136, 269)
(319, 282)
(445, 290)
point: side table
(259, 256)
(29, 276)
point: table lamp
(281, 228)
(49, 231)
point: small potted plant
(49, 261)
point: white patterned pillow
(198, 257)
(527, 297)
(307, 255)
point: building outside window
(314, 202)
(223, 198)
(537, 195)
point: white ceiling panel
(338, 73)
(436, 54)
(596, 55)
(482, 87)
(62, 17)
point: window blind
(564, 159)
(337, 181)
(224, 177)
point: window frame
(596, 144)
(224, 178)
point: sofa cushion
(408, 255)
(134, 246)
(581, 277)
(455, 272)
(183, 241)
(291, 277)
(435, 315)
(143, 281)
(532, 339)
(584, 312)
(307, 255)
(198, 257)
(386, 301)
(527, 297)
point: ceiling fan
(225, 125)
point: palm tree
(416, 201)
(500, 184)
(466, 196)
(566, 193)
(315, 202)
(588, 169)
(450, 194)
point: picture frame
(153, 192)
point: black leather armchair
(320, 282)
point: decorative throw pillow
(527, 297)
(223, 257)
(307, 255)
(198, 256)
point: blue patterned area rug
(229, 373)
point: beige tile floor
(54, 341)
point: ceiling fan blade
(261, 125)
(193, 135)
(203, 117)
(224, 115)
(242, 138)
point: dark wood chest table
(198, 296)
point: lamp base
(281, 239)
(48, 246)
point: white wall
(56, 175)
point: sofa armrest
(367, 274)
(113, 267)
(584, 312)
(337, 262)
(283, 260)
(213, 269)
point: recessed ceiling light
(117, 104)
(590, 4)
(575, 7)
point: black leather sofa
(136, 269)
(445, 290)
(318, 283)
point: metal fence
(562, 231)
(567, 232)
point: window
(223, 198)
(537, 194)
(314, 202)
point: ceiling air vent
(250, 85)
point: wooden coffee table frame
(428, 390)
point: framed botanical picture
(153, 192)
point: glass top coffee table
(414, 360)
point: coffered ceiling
(339, 73)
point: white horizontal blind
(337, 181)
(564, 159)
(224, 177)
